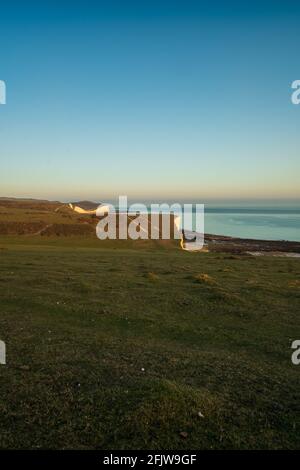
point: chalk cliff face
(84, 207)
(80, 210)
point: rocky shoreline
(251, 246)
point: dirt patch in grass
(204, 278)
(152, 276)
(295, 284)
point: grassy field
(116, 348)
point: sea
(261, 220)
(264, 223)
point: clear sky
(153, 99)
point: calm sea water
(258, 223)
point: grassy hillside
(112, 347)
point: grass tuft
(204, 279)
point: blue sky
(149, 99)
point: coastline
(251, 246)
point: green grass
(121, 348)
